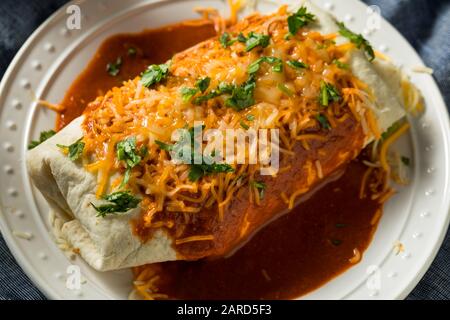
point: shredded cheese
(154, 113)
(194, 238)
(388, 142)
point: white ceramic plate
(52, 58)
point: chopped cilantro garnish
(299, 19)
(328, 93)
(113, 68)
(203, 84)
(223, 88)
(75, 150)
(225, 40)
(154, 74)
(121, 201)
(323, 121)
(188, 93)
(260, 186)
(254, 40)
(341, 64)
(197, 171)
(44, 135)
(297, 64)
(357, 39)
(127, 151)
(187, 143)
(277, 64)
(282, 87)
(244, 125)
(163, 145)
(241, 38)
(242, 96)
(390, 131)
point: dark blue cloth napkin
(425, 23)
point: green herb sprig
(113, 68)
(75, 150)
(328, 93)
(187, 143)
(297, 64)
(299, 20)
(260, 186)
(226, 40)
(154, 74)
(127, 151)
(121, 201)
(357, 39)
(254, 40)
(44, 135)
(277, 64)
(324, 123)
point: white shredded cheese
(422, 69)
(23, 235)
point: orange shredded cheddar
(194, 238)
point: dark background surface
(425, 23)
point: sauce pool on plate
(293, 255)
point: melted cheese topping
(154, 113)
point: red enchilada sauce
(291, 256)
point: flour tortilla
(108, 243)
(105, 243)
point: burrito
(115, 178)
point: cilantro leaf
(254, 40)
(297, 64)
(260, 186)
(299, 19)
(391, 130)
(277, 64)
(203, 84)
(75, 150)
(187, 143)
(242, 96)
(197, 171)
(113, 68)
(357, 39)
(225, 40)
(154, 74)
(282, 87)
(328, 93)
(223, 88)
(127, 151)
(121, 201)
(241, 38)
(164, 146)
(341, 64)
(244, 125)
(188, 93)
(323, 121)
(44, 135)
